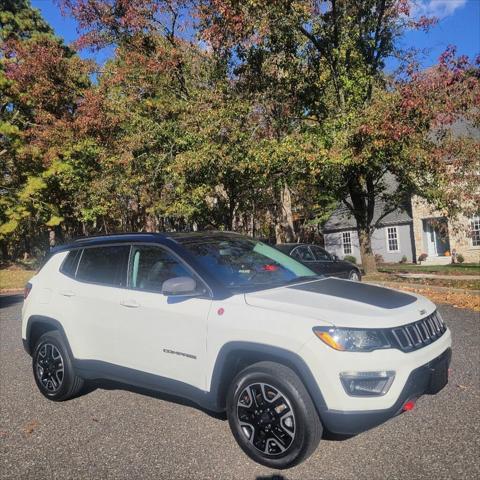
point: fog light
(367, 384)
(410, 405)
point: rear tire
(53, 369)
(272, 416)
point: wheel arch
(235, 356)
(38, 325)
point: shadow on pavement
(8, 300)
(272, 477)
(93, 385)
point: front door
(324, 262)
(158, 334)
(431, 239)
(304, 254)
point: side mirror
(179, 286)
(335, 258)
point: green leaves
(261, 118)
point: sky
(459, 25)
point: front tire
(53, 369)
(272, 416)
(355, 276)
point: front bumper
(430, 378)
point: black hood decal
(359, 292)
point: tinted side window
(105, 265)
(320, 253)
(151, 266)
(69, 265)
(303, 254)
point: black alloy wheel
(266, 418)
(272, 416)
(49, 367)
(53, 368)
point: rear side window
(69, 265)
(104, 265)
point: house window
(347, 243)
(475, 226)
(392, 239)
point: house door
(431, 239)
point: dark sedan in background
(320, 261)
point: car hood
(344, 303)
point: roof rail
(120, 234)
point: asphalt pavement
(116, 434)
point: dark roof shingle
(342, 219)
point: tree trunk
(4, 250)
(288, 214)
(252, 220)
(232, 217)
(284, 227)
(368, 257)
(150, 223)
(52, 240)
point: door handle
(67, 293)
(129, 303)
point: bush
(403, 260)
(460, 258)
(422, 257)
(379, 259)
(350, 258)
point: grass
(451, 269)
(437, 282)
(14, 278)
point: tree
(42, 81)
(145, 99)
(17, 21)
(334, 52)
(248, 115)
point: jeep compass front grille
(419, 334)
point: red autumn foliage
(105, 22)
(46, 75)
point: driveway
(115, 434)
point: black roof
(288, 247)
(342, 219)
(144, 237)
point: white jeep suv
(234, 326)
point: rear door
(92, 301)
(158, 334)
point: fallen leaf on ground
(30, 427)
(456, 299)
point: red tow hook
(410, 405)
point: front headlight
(352, 339)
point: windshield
(243, 263)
